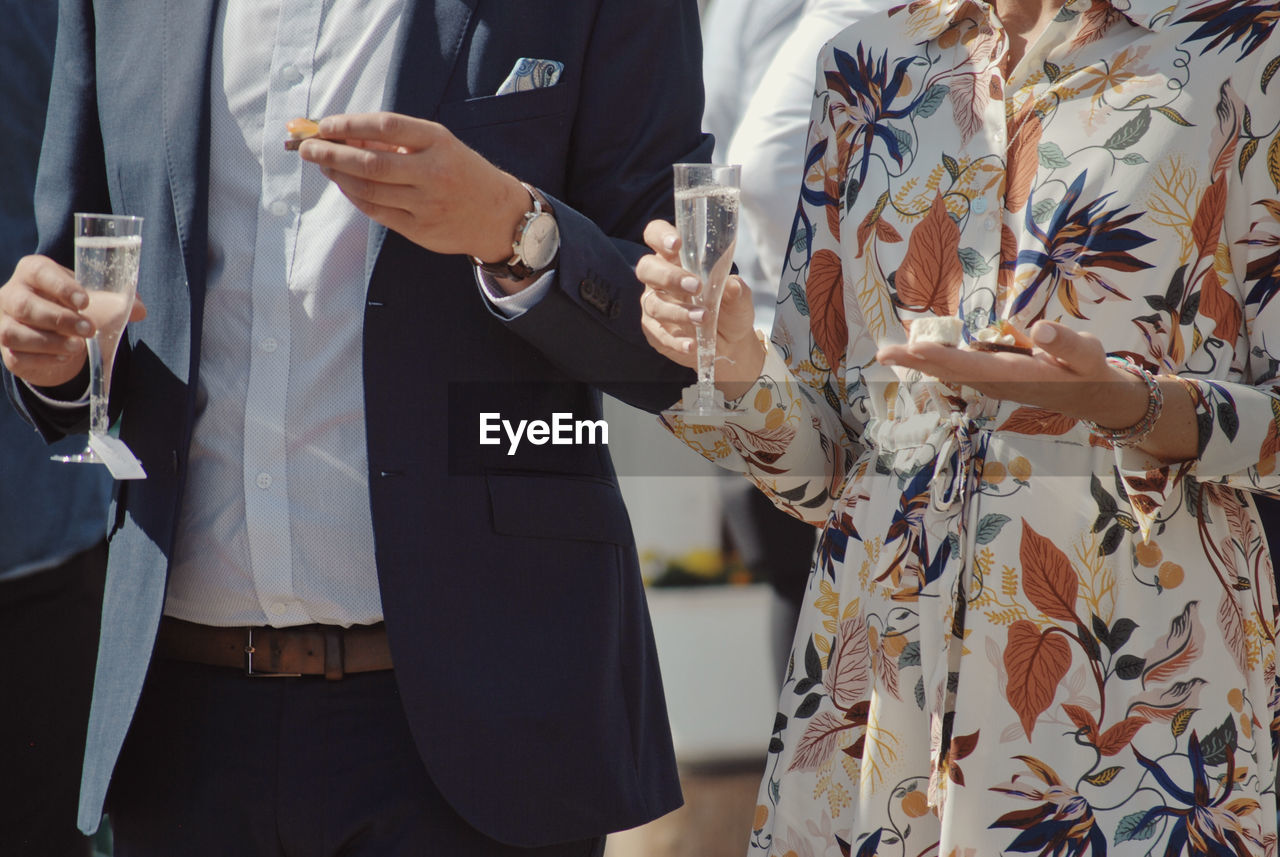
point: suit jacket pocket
(558, 507)
(503, 109)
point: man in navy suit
(327, 333)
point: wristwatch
(536, 243)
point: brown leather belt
(327, 650)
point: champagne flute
(706, 197)
(108, 249)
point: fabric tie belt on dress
(320, 650)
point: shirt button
(290, 74)
(991, 223)
(279, 208)
(979, 205)
(279, 608)
(268, 345)
(264, 480)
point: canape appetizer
(300, 129)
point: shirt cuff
(59, 403)
(513, 306)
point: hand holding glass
(706, 197)
(108, 250)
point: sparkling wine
(107, 268)
(707, 220)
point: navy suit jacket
(510, 585)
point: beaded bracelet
(1139, 431)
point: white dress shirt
(275, 525)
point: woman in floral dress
(1021, 637)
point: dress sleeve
(1232, 373)
(801, 423)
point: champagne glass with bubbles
(706, 197)
(108, 249)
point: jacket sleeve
(627, 133)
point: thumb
(736, 289)
(737, 311)
(1080, 352)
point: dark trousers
(49, 640)
(217, 763)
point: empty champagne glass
(108, 249)
(706, 197)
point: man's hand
(42, 333)
(415, 177)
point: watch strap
(516, 268)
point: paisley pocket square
(531, 73)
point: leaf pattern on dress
(1036, 662)
(930, 275)
(824, 292)
(848, 676)
(1181, 647)
(1047, 576)
(820, 741)
(1013, 575)
(1024, 157)
(1028, 420)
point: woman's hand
(670, 314)
(1067, 373)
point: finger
(663, 239)
(27, 308)
(43, 370)
(384, 194)
(51, 281)
(942, 361)
(666, 277)
(735, 290)
(1080, 352)
(30, 342)
(139, 310)
(670, 345)
(676, 317)
(373, 165)
(396, 219)
(373, 145)
(393, 129)
(737, 309)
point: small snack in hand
(1002, 336)
(943, 330)
(300, 129)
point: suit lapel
(428, 50)
(188, 31)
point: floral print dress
(1016, 639)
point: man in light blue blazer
(338, 620)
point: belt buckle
(248, 669)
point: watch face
(540, 241)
